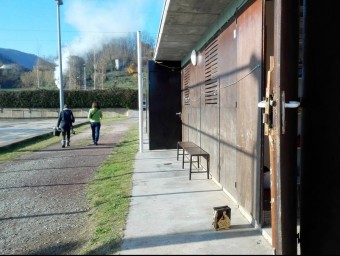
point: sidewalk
(170, 214)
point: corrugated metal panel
(186, 84)
(211, 73)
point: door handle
(292, 104)
(262, 104)
(179, 113)
(267, 115)
(284, 105)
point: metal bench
(191, 149)
(182, 145)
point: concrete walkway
(172, 215)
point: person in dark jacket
(65, 121)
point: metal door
(165, 126)
(285, 92)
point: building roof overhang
(185, 22)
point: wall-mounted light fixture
(235, 29)
(194, 57)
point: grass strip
(109, 197)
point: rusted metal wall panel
(195, 102)
(191, 110)
(230, 129)
(249, 57)
(228, 109)
(210, 136)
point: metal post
(95, 69)
(85, 76)
(38, 73)
(140, 91)
(61, 89)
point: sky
(31, 25)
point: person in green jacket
(95, 115)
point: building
(216, 63)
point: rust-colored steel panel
(286, 51)
(227, 124)
(227, 58)
(249, 75)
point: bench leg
(177, 151)
(190, 167)
(208, 164)
(183, 159)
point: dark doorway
(320, 124)
(165, 127)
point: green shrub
(109, 98)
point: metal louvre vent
(186, 84)
(211, 73)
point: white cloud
(98, 21)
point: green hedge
(110, 98)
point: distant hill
(26, 60)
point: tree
(147, 46)
(75, 71)
(132, 69)
(28, 79)
(10, 75)
(99, 65)
(44, 73)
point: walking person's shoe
(62, 143)
(68, 143)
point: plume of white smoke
(97, 22)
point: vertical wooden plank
(285, 80)
(270, 132)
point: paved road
(14, 130)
